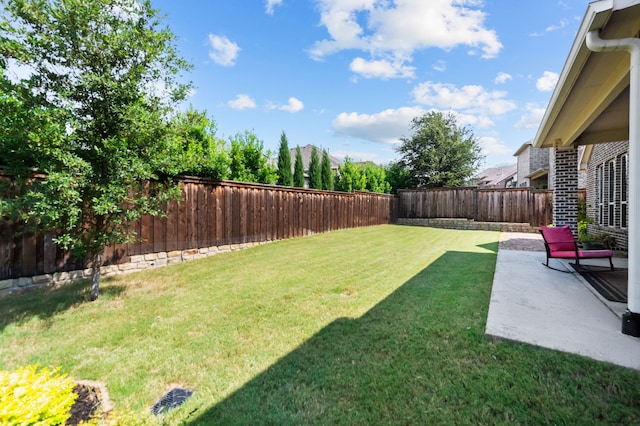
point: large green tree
(440, 153)
(195, 149)
(249, 161)
(90, 120)
(397, 176)
(376, 178)
(298, 170)
(315, 172)
(285, 176)
(351, 177)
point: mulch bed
(92, 401)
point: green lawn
(379, 325)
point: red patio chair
(560, 243)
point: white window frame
(600, 193)
(611, 193)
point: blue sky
(349, 75)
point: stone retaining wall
(136, 263)
(468, 224)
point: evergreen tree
(298, 172)
(285, 177)
(327, 174)
(315, 172)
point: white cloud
(531, 118)
(294, 105)
(440, 66)
(223, 51)
(395, 30)
(475, 121)
(241, 102)
(381, 69)
(551, 28)
(547, 82)
(385, 127)
(502, 78)
(493, 146)
(471, 99)
(270, 5)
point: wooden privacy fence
(214, 214)
(211, 213)
(521, 205)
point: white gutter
(631, 45)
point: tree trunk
(95, 277)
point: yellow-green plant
(32, 396)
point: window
(611, 193)
(624, 185)
(600, 194)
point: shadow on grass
(45, 303)
(492, 247)
(385, 367)
(420, 357)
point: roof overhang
(590, 103)
(538, 173)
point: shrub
(32, 397)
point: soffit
(591, 102)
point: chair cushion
(591, 254)
(564, 254)
(559, 238)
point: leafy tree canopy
(397, 176)
(196, 151)
(440, 153)
(362, 177)
(376, 178)
(90, 119)
(249, 161)
(350, 177)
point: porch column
(631, 318)
(565, 188)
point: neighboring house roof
(493, 176)
(522, 148)
(305, 151)
(590, 103)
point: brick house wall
(565, 180)
(607, 213)
(539, 158)
(531, 159)
(524, 167)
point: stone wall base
(469, 224)
(136, 263)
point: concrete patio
(540, 306)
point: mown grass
(381, 325)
